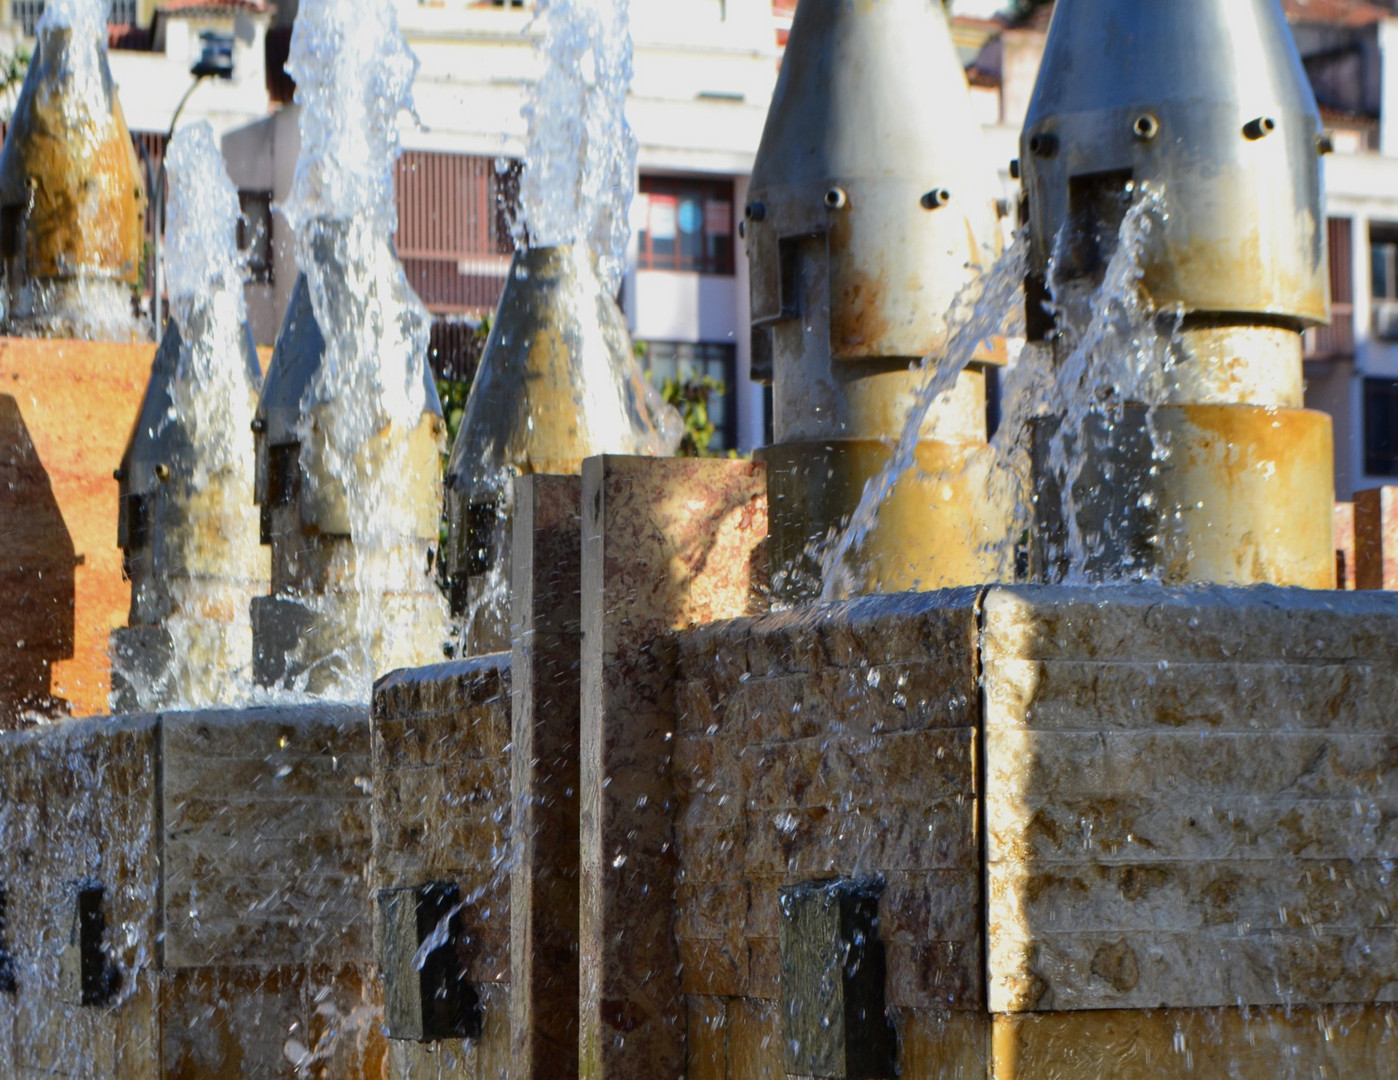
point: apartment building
(704, 73)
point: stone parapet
(1189, 797)
(547, 567)
(79, 807)
(1160, 845)
(442, 814)
(668, 544)
(229, 848)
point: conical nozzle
(72, 196)
(558, 382)
(1207, 103)
(872, 206)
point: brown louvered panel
(468, 286)
(1336, 341)
(447, 205)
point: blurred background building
(704, 72)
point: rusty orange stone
(77, 401)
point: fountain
(863, 237)
(349, 429)
(1224, 477)
(1036, 830)
(558, 380)
(72, 200)
(188, 524)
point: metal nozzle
(1207, 102)
(72, 197)
(872, 205)
(558, 382)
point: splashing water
(82, 16)
(213, 396)
(979, 313)
(580, 158)
(1112, 350)
(354, 73)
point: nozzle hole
(1045, 144)
(936, 198)
(1146, 127)
(162, 472)
(836, 198)
(1259, 128)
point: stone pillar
(441, 814)
(1376, 538)
(547, 567)
(1344, 546)
(667, 544)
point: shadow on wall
(37, 561)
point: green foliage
(454, 392)
(13, 69)
(691, 397)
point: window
(1383, 273)
(26, 13)
(684, 225)
(689, 363)
(1381, 427)
(255, 234)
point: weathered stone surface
(832, 741)
(266, 837)
(1196, 1044)
(1189, 797)
(441, 794)
(1376, 538)
(667, 544)
(77, 808)
(547, 569)
(234, 1023)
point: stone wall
(57, 390)
(442, 814)
(837, 741)
(1173, 807)
(79, 806)
(1189, 798)
(231, 849)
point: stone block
(1188, 798)
(442, 808)
(667, 545)
(1344, 546)
(1242, 1044)
(1376, 538)
(266, 836)
(834, 1019)
(755, 1040)
(78, 805)
(427, 996)
(271, 1024)
(941, 1045)
(706, 1054)
(545, 733)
